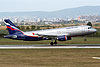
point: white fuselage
(68, 31)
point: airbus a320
(60, 34)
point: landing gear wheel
(55, 42)
(51, 43)
(85, 39)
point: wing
(51, 36)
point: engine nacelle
(64, 38)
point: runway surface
(46, 46)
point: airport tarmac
(47, 46)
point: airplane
(60, 34)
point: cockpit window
(89, 27)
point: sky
(43, 5)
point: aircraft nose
(94, 30)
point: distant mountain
(71, 12)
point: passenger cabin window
(71, 27)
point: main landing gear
(53, 43)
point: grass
(75, 40)
(50, 58)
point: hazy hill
(71, 12)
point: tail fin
(11, 27)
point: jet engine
(63, 38)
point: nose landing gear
(85, 39)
